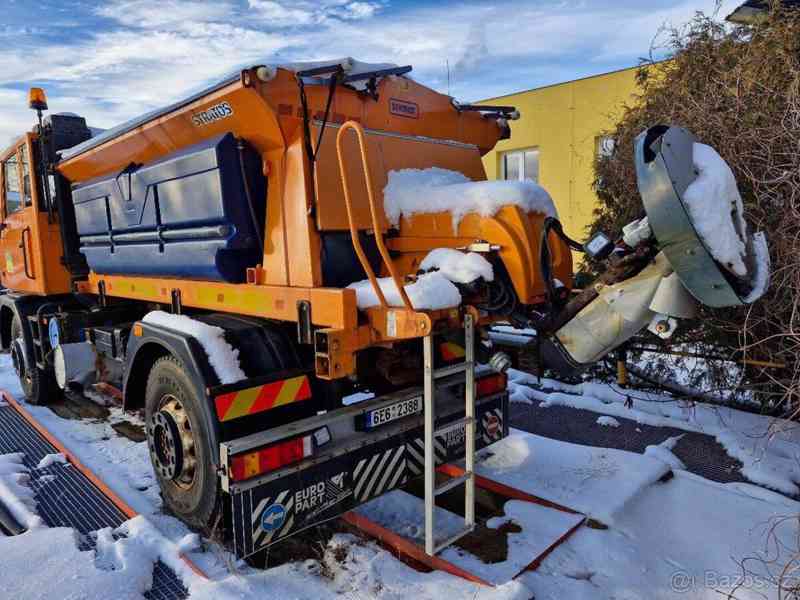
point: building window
(521, 165)
(11, 176)
(605, 146)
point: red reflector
(493, 384)
(245, 466)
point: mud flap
(268, 513)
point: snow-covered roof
(350, 66)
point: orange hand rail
(376, 224)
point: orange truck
(240, 263)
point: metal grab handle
(28, 274)
(376, 225)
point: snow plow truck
(291, 273)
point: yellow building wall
(564, 121)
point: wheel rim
(172, 443)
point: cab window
(26, 176)
(11, 177)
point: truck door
(30, 244)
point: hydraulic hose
(545, 258)
(249, 195)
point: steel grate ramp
(67, 498)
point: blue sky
(111, 60)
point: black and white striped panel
(379, 473)
(492, 425)
(415, 455)
(262, 537)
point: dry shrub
(737, 90)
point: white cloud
(283, 13)
(360, 10)
(17, 117)
(146, 14)
(155, 51)
(476, 49)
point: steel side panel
(330, 307)
(268, 513)
(385, 152)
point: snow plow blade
(664, 170)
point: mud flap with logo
(270, 512)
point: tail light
(271, 458)
(491, 384)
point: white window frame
(520, 155)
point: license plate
(387, 414)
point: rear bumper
(354, 468)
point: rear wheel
(181, 445)
(39, 386)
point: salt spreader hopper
(245, 263)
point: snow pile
(457, 266)
(716, 210)
(431, 291)
(687, 538)
(50, 459)
(349, 569)
(595, 481)
(15, 494)
(605, 421)
(760, 279)
(435, 190)
(663, 452)
(64, 571)
(223, 357)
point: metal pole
(45, 168)
(469, 432)
(430, 462)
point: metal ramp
(415, 555)
(70, 495)
(467, 479)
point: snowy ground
(665, 537)
(768, 448)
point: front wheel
(181, 445)
(39, 386)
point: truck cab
(30, 238)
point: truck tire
(181, 445)
(39, 386)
